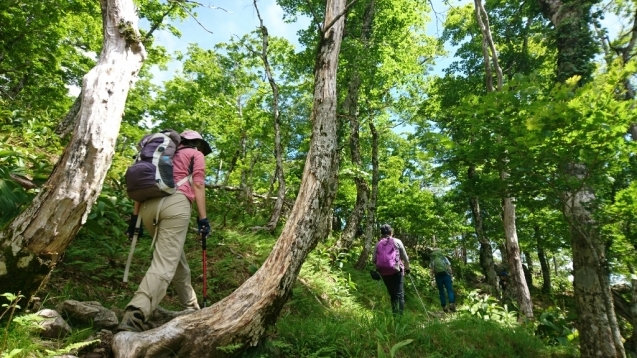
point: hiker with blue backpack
(441, 270)
(166, 216)
(392, 264)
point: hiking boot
(452, 307)
(445, 308)
(133, 321)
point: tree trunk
(242, 318)
(544, 265)
(371, 209)
(34, 241)
(486, 250)
(599, 331)
(593, 301)
(521, 290)
(278, 148)
(516, 273)
(350, 105)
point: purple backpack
(151, 175)
(387, 257)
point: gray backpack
(151, 175)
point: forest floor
(334, 310)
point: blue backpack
(387, 257)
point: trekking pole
(418, 294)
(132, 248)
(205, 268)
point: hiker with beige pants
(167, 219)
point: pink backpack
(387, 257)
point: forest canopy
(502, 132)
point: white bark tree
(522, 294)
(243, 317)
(32, 244)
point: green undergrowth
(334, 310)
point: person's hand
(131, 228)
(204, 227)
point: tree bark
(371, 209)
(593, 300)
(521, 290)
(351, 108)
(243, 317)
(32, 244)
(544, 265)
(599, 330)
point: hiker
(441, 270)
(503, 278)
(166, 219)
(392, 263)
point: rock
(83, 311)
(54, 326)
(105, 319)
(90, 311)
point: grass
(334, 310)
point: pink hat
(192, 135)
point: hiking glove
(131, 227)
(204, 227)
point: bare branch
(202, 5)
(156, 25)
(314, 16)
(194, 17)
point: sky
(224, 20)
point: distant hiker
(503, 277)
(441, 269)
(166, 219)
(392, 263)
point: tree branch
(337, 17)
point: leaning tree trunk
(599, 330)
(371, 208)
(32, 244)
(242, 318)
(351, 108)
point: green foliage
(382, 351)
(487, 308)
(555, 328)
(20, 338)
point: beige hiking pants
(169, 260)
